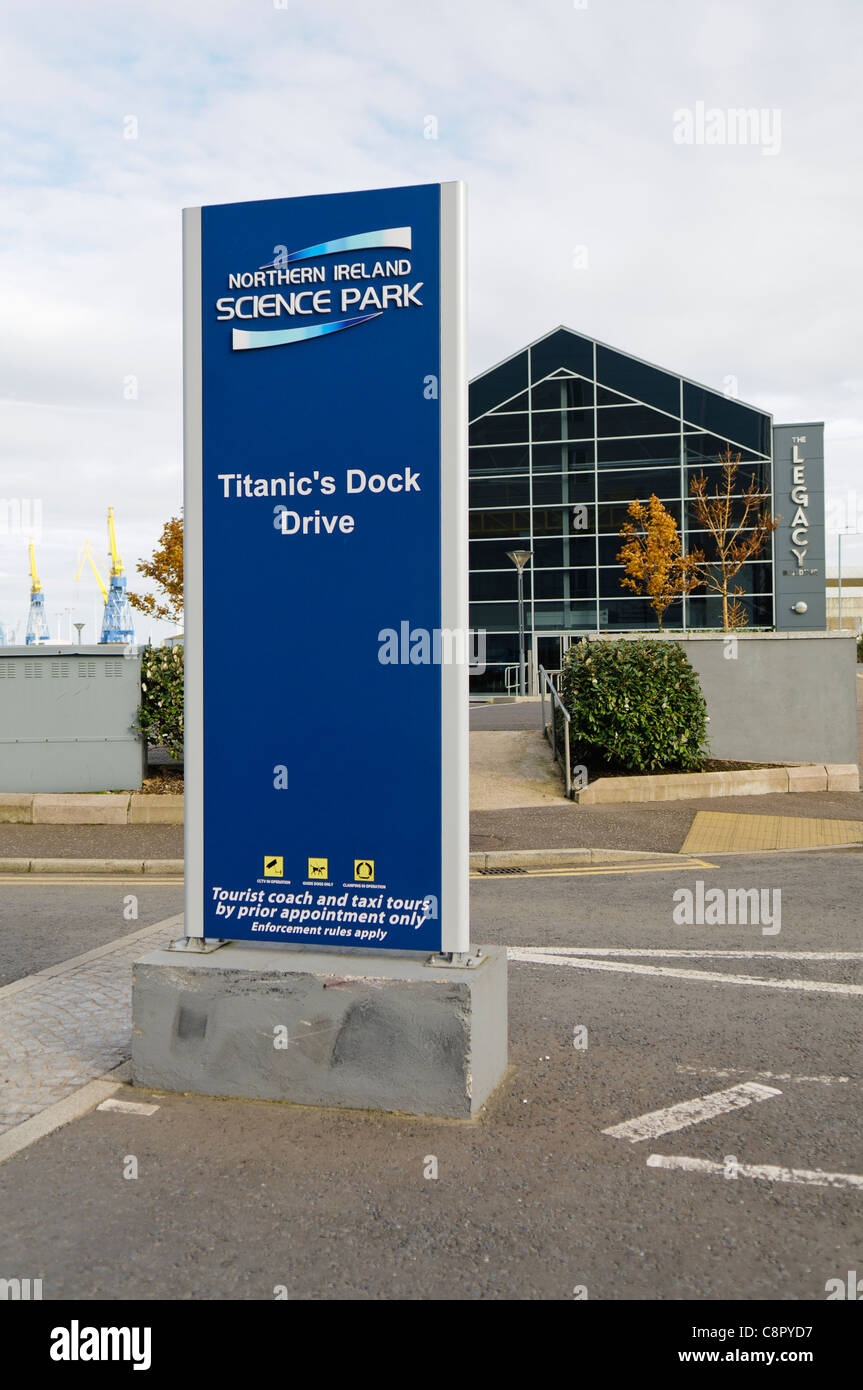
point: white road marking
(128, 1107)
(695, 955)
(691, 1112)
(668, 972)
(722, 1073)
(809, 1177)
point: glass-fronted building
(563, 436)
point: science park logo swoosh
(243, 339)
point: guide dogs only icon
(364, 870)
(319, 868)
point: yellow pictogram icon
(319, 868)
(274, 866)
(364, 870)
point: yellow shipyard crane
(87, 554)
(37, 624)
(117, 617)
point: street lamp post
(519, 559)
(79, 628)
(839, 536)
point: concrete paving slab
(69, 1024)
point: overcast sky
(717, 260)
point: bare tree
(739, 522)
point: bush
(860, 647)
(636, 707)
(160, 715)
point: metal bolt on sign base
(200, 945)
(458, 960)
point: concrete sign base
(369, 1031)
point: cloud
(711, 260)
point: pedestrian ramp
(512, 768)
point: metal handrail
(546, 686)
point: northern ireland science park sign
(325, 517)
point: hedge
(160, 715)
(636, 707)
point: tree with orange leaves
(165, 569)
(652, 556)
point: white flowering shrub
(160, 714)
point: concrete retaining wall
(777, 696)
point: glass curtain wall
(563, 436)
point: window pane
(562, 551)
(500, 647)
(492, 681)
(491, 555)
(746, 473)
(562, 349)
(562, 393)
(609, 582)
(647, 384)
(491, 585)
(721, 415)
(507, 458)
(612, 518)
(519, 402)
(693, 526)
(657, 449)
(497, 385)
(562, 521)
(562, 616)
(707, 612)
(564, 583)
(495, 617)
(562, 487)
(503, 523)
(561, 458)
(499, 492)
(628, 486)
(632, 419)
(629, 614)
(562, 424)
(606, 397)
(500, 429)
(609, 548)
(754, 578)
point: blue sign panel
(315, 552)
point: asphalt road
(48, 920)
(533, 1200)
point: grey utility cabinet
(67, 719)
